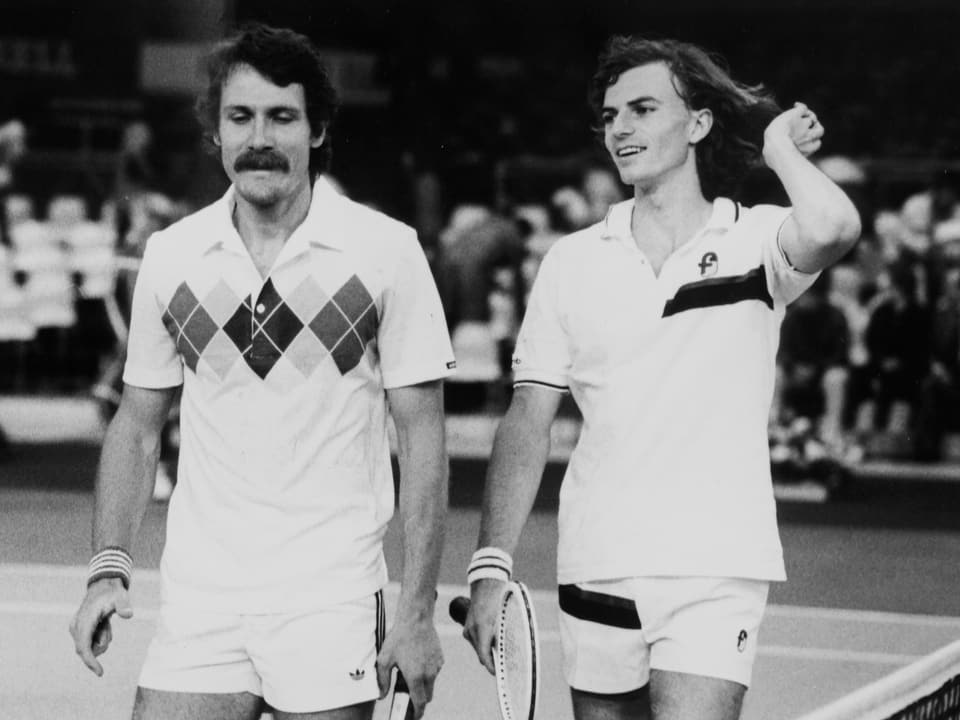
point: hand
(414, 649)
(480, 628)
(797, 126)
(90, 627)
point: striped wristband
(490, 562)
(111, 562)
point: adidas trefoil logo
(357, 674)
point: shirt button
(260, 308)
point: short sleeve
(413, 341)
(152, 358)
(542, 354)
(785, 282)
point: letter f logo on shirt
(708, 264)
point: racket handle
(459, 607)
(401, 708)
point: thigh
(164, 705)
(680, 696)
(362, 711)
(620, 706)
(319, 660)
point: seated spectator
(813, 363)
(898, 344)
(601, 188)
(478, 268)
(938, 407)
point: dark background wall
(458, 86)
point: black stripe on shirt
(721, 291)
(599, 607)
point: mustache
(261, 160)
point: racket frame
(517, 592)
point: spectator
(601, 188)
(476, 242)
(13, 146)
(813, 362)
(898, 343)
(938, 407)
(135, 172)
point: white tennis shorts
(298, 662)
(614, 632)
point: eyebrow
(632, 103)
(269, 109)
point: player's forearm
(827, 221)
(423, 504)
(520, 452)
(125, 478)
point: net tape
(928, 689)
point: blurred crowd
(869, 357)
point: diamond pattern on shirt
(303, 328)
(189, 324)
(330, 325)
(221, 303)
(306, 352)
(306, 298)
(239, 327)
(221, 354)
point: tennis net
(928, 689)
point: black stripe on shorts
(381, 621)
(599, 607)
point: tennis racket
(401, 708)
(516, 651)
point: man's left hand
(798, 126)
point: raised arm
(520, 452)
(128, 468)
(412, 643)
(824, 224)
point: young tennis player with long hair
(295, 319)
(662, 321)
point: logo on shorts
(742, 641)
(357, 674)
(708, 264)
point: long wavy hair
(740, 112)
(283, 57)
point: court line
(79, 572)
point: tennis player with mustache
(295, 320)
(663, 321)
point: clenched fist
(797, 126)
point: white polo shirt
(674, 377)
(284, 480)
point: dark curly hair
(284, 57)
(740, 112)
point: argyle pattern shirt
(306, 327)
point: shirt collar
(322, 227)
(616, 225)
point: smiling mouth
(629, 151)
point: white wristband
(111, 562)
(488, 572)
(490, 562)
